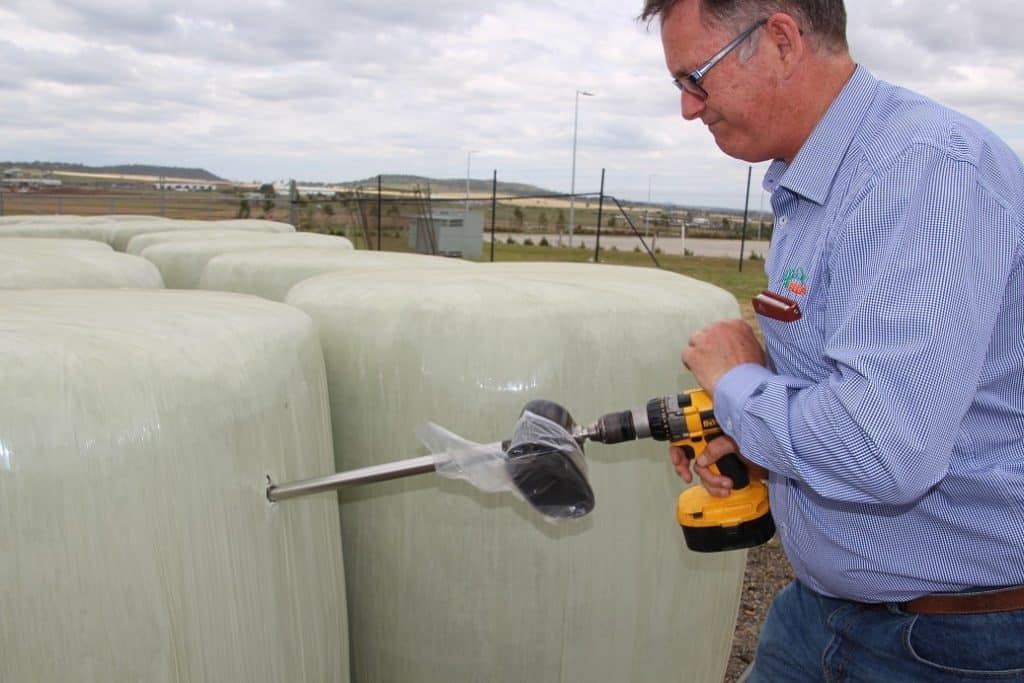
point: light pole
(572, 183)
(469, 155)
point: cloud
(321, 90)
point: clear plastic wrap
(455, 457)
(532, 464)
(270, 273)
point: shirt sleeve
(916, 273)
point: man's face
(738, 110)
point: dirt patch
(767, 572)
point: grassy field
(718, 271)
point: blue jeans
(808, 637)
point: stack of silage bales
(38, 263)
(136, 432)
(446, 583)
(179, 404)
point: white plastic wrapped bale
(62, 229)
(27, 263)
(259, 224)
(182, 263)
(138, 243)
(53, 244)
(126, 217)
(122, 232)
(270, 273)
(136, 432)
(38, 218)
(447, 583)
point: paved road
(674, 245)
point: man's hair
(820, 20)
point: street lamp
(469, 154)
(572, 184)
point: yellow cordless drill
(710, 524)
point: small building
(448, 232)
(23, 184)
(185, 187)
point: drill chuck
(662, 419)
(627, 425)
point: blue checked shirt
(892, 415)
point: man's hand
(716, 484)
(718, 348)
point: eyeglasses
(690, 83)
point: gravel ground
(766, 573)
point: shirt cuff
(733, 390)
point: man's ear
(787, 41)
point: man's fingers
(681, 463)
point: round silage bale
(136, 431)
(126, 217)
(182, 263)
(123, 232)
(98, 231)
(140, 242)
(53, 244)
(270, 273)
(447, 583)
(38, 218)
(27, 263)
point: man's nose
(692, 106)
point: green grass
(722, 272)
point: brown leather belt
(979, 602)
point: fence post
(379, 198)
(494, 209)
(600, 206)
(293, 198)
(746, 205)
(1, 201)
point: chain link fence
(414, 216)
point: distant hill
(447, 185)
(125, 169)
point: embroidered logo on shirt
(795, 280)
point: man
(887, 409)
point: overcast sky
(334, 90)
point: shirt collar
(816, 164)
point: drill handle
(729, 465)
